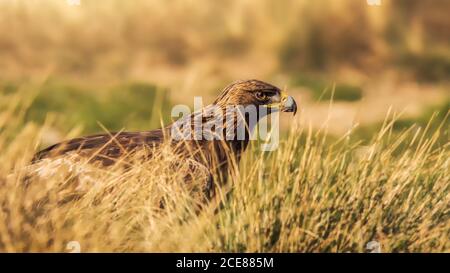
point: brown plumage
(217, 156)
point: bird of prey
(216, 154)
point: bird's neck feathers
(228, 124)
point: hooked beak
(288, 104)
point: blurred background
(125, 63)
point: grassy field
(350, 169)
(313, 194)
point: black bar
(227, 262)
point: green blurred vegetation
(430, 119)
(130, 106)
(322, 89)
(427, 67)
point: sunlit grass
(310, 195)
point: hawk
(218, 154)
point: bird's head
(258, 93)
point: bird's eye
(261, 96)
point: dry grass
(313, 194)
(308, 196)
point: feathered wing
(106, 148)
(205, 160)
